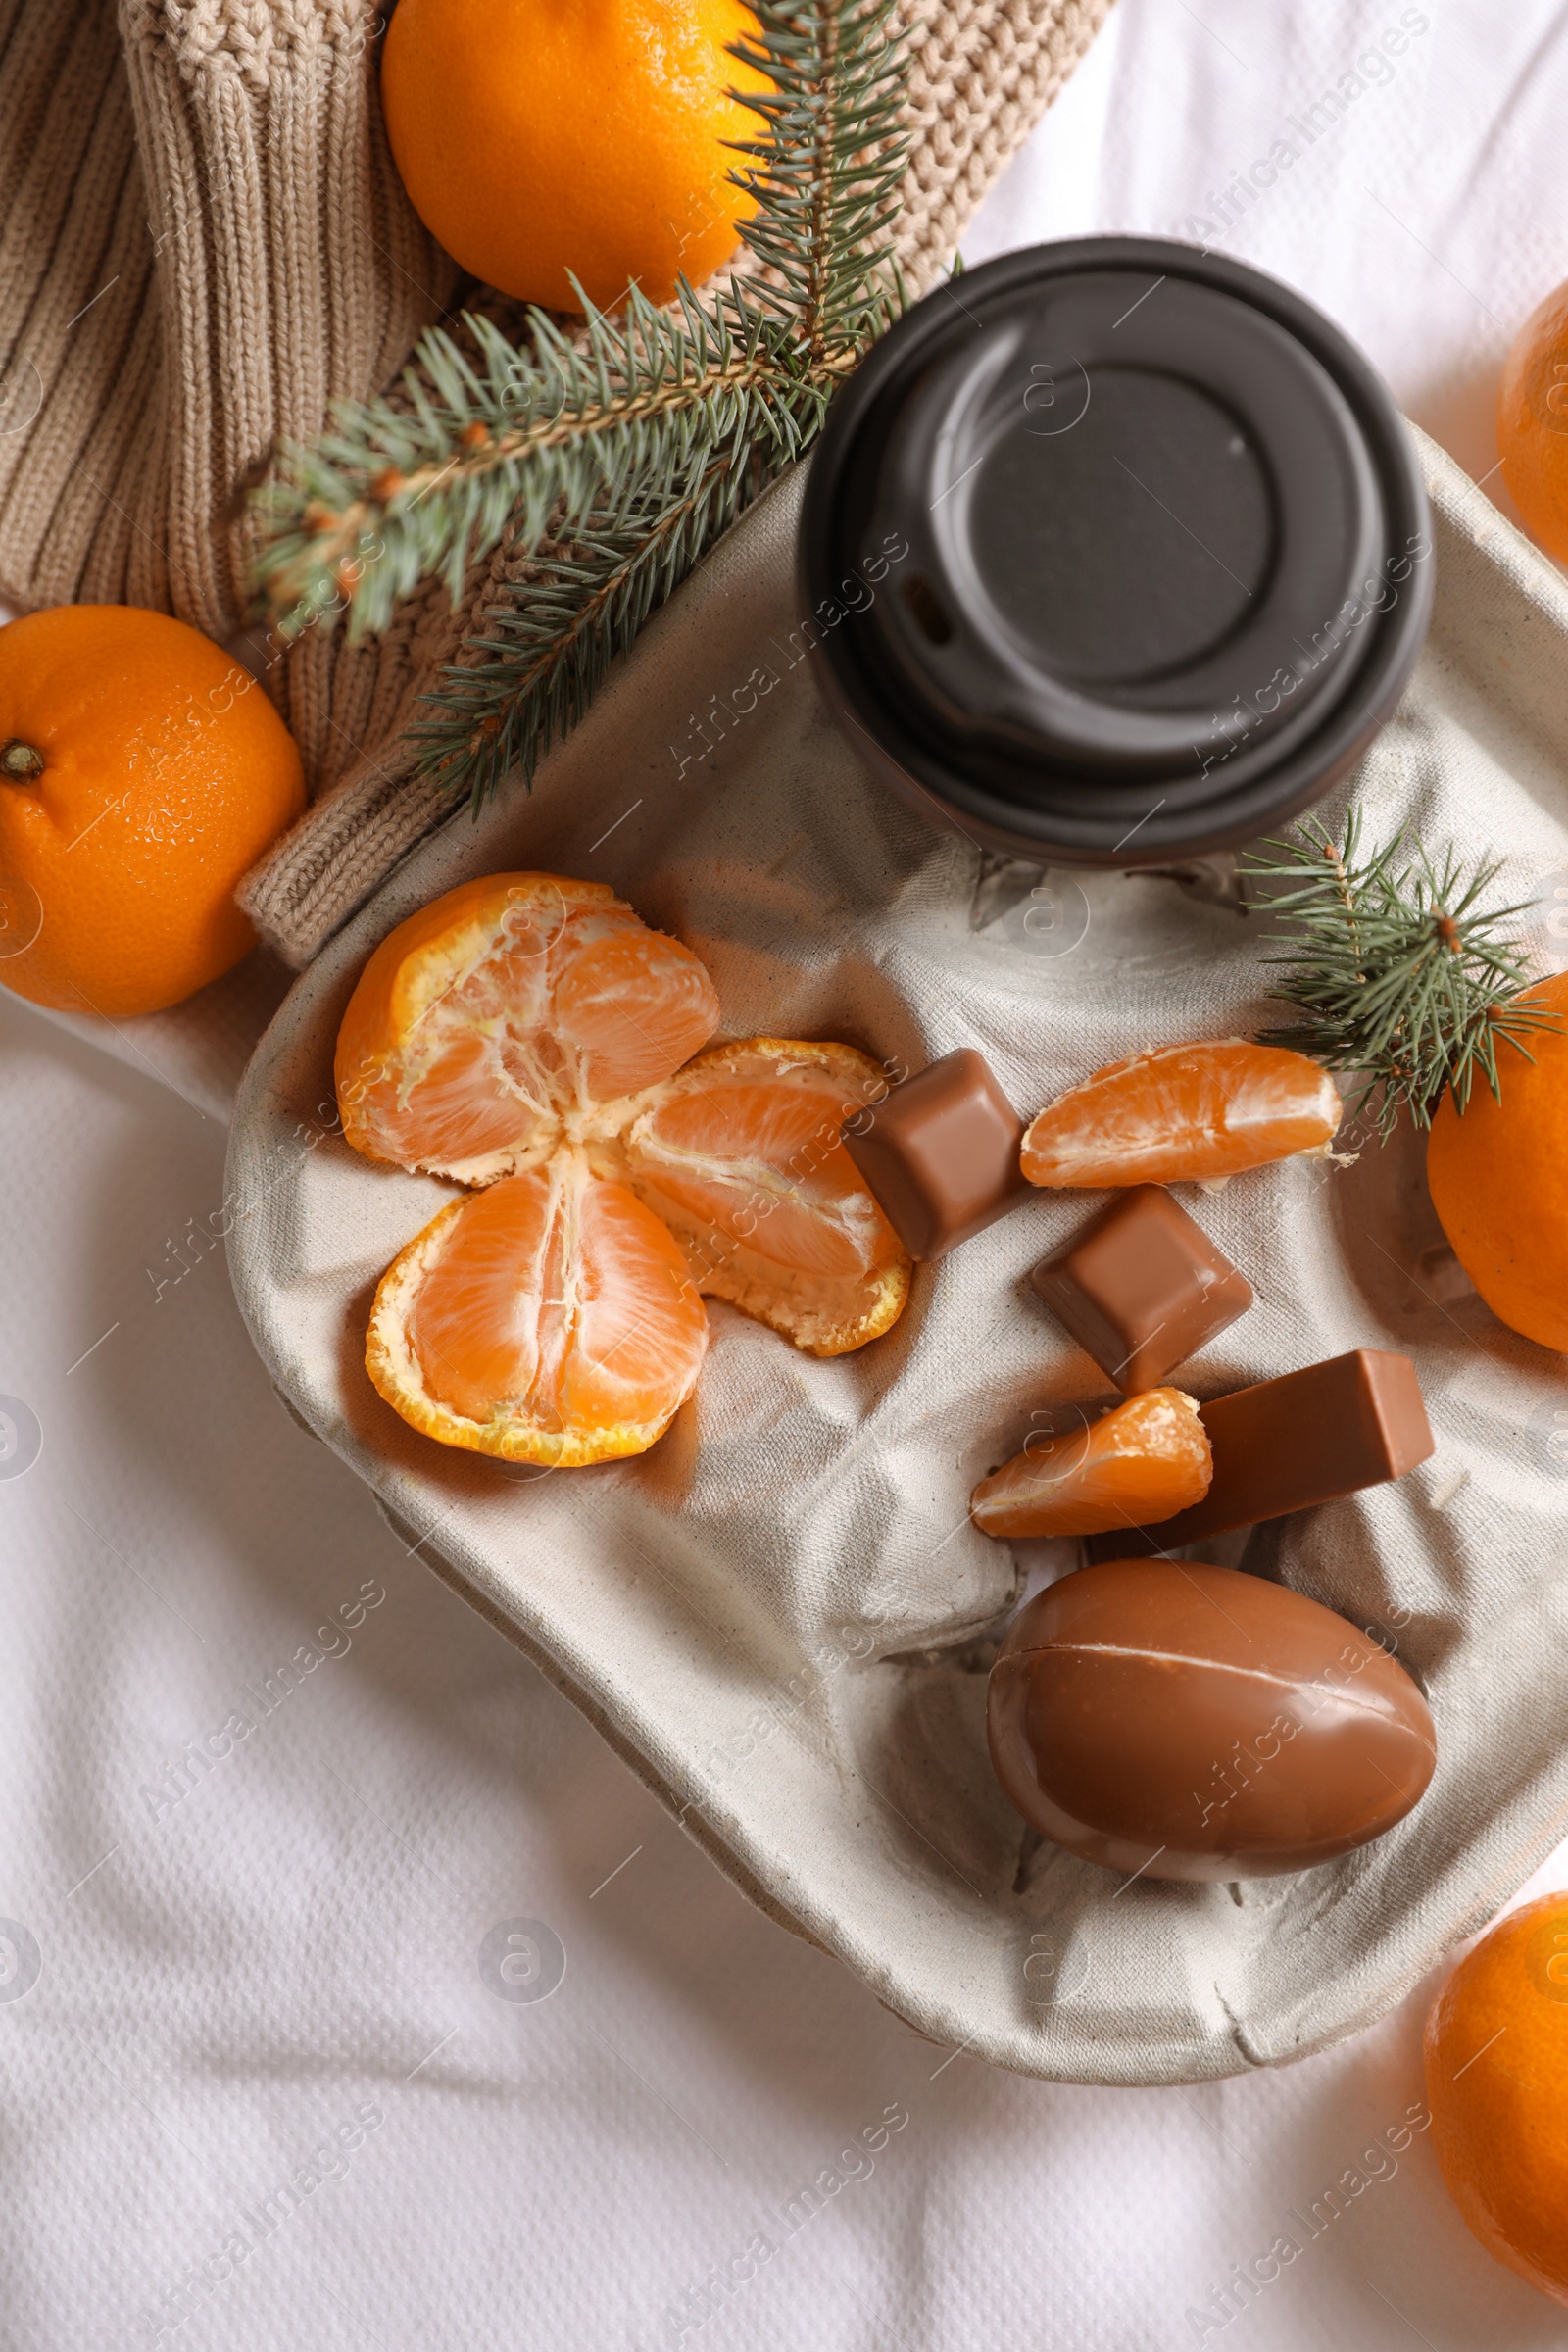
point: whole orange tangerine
(1496, 2069)
(540, 137)
(1498, 1175)
(1533, 422)
(141, 772)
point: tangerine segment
(502, 1015)
(1144, 1461)
(1184, 1112)
(550, 1318)
(740, 1154)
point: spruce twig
(655, 424)
(548, 648)
(535, 438)
(1397, 969)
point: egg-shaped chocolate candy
(1187, 1722)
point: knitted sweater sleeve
(204, 240)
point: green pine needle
(534, 439)
(548, 649)
(1396, 970)
(826, 176)
(612, 456)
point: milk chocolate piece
(1142, 1288)
(1307, 1438)
(940, 1153)
(1189, 1721)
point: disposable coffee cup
(1118, 551)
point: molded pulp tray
(780, 1616)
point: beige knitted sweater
(203, 238)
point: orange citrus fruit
(527, 1033)
(507, 1010)
(1498, 1176)
(540, 137)
(548, 1318)
(741, 1156)
(1533, 422)
(141, 773)
(1497, 2077)
(1141, 1462)
(1183, 1112)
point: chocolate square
(1142, 1288)
(1290, 1444)
(939, 1153)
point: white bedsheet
(251, 1984)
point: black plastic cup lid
(1119, 549)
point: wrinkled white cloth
(299, 1936)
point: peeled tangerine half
(527, 1033)
(550, 1318)
(1184, 1114)
(740, 1154)
(500, 1016)
(1142, 1462)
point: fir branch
(1397, 972)
(826, 176)
(560, 433)
(836, 75)
(533, 439)
(546, 652)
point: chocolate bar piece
(1307, 1438)
(940, 1153)
(1142, 1288)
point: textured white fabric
(292, 1939)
